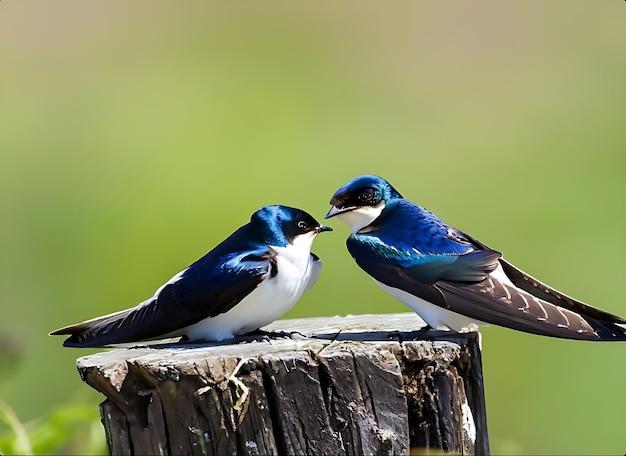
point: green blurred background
(134, 136)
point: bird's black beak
(336, 211)
(321, 228)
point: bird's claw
(268, 336)
(293, 335)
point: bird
(450, 279)
(249, 280)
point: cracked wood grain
(365, 398)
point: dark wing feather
(541, 290)
(493, 301)
(207, 288)
(545, 292)
(371, 251)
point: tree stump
(369, 384)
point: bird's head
(360, 201)
(283, 225)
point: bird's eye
(302, 225)
(367, 196)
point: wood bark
(370, 384)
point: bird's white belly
(435, 316)
(266, 303)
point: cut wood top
(309, 334)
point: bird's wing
(205, 289)
(447, 255)
(313, 271)
(477, 284)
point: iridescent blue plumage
(266, 224)
(411, 228)
(409, 236)
(368, 186)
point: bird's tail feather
(502, 303)
(89, 333)
(608, 330)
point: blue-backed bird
(249, 280)
(451, 280)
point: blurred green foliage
(70, 429)
(135, 136)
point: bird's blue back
(408, 234)
(408, 237)
(253, 238)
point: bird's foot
(254, 336)
(269, 335)
(420, 333)
(293, 335)
(413, 335)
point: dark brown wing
(539, 289)
(500, 302)
(544, 292)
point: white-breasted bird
(249, 280)
(451, 280)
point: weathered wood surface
(369, 384)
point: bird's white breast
(269, 301)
